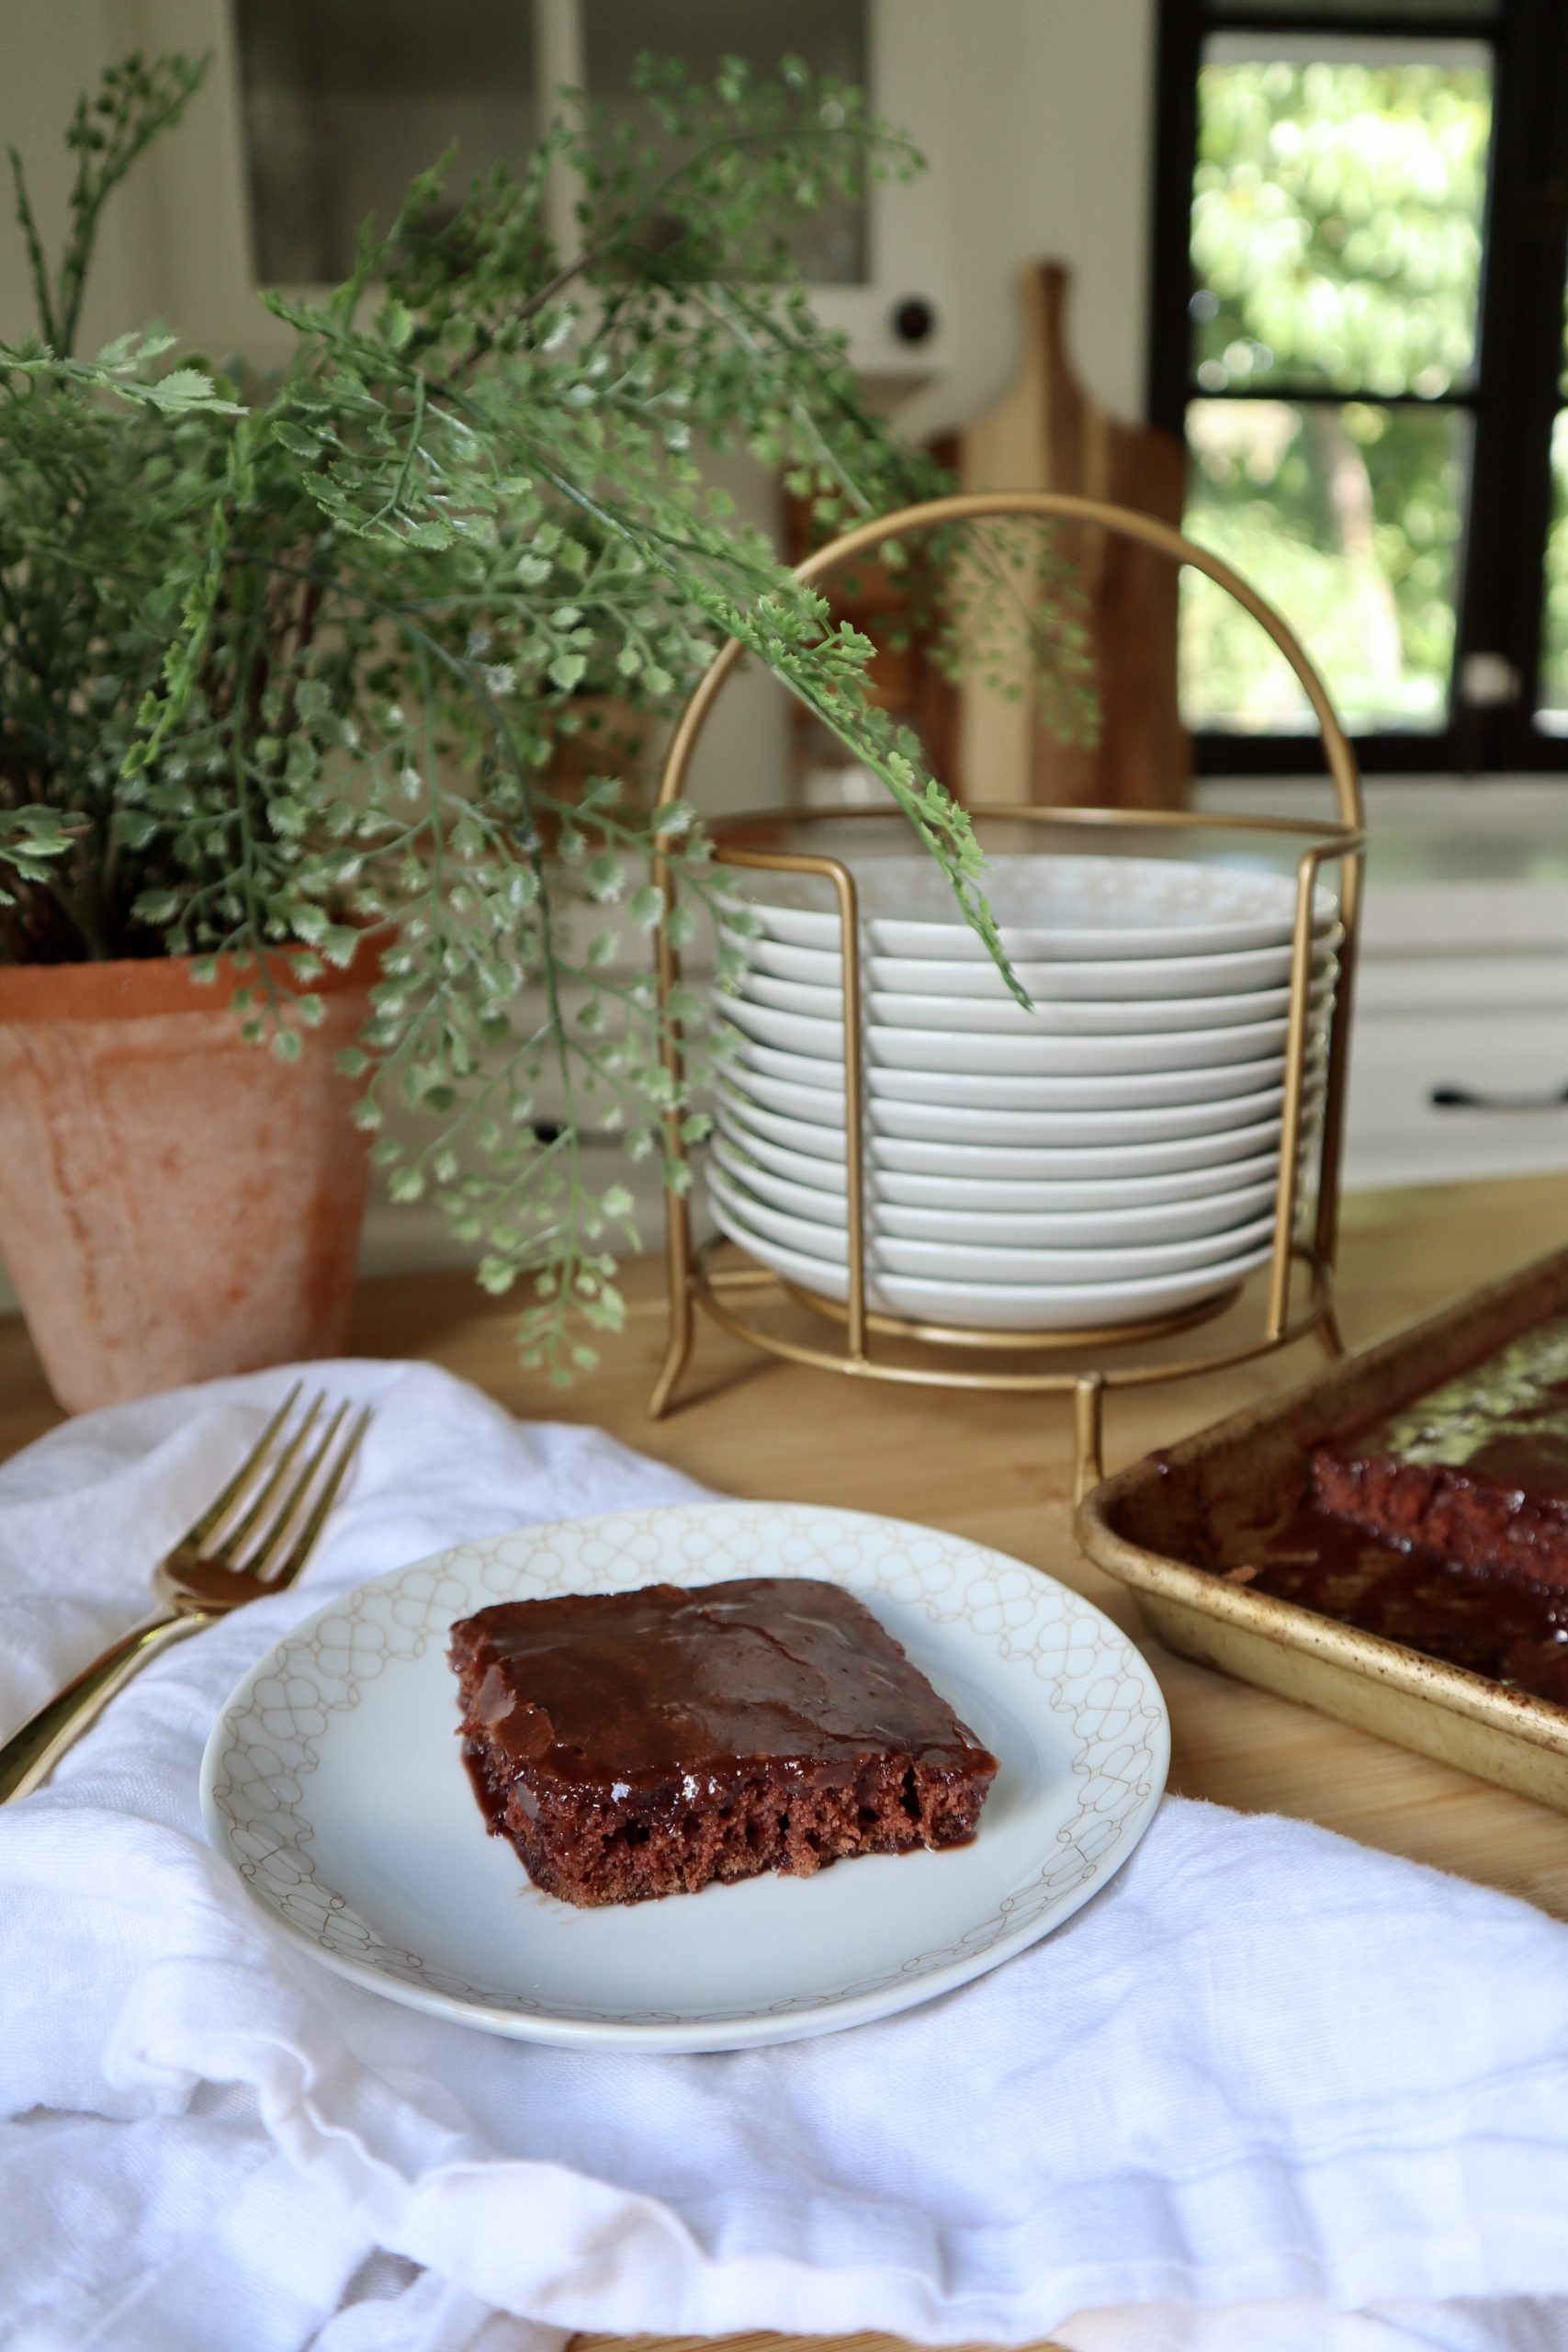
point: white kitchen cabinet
(1463, 985)
(1458, 1053)
(319, 110)
(1440, 1096)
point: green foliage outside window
(1553, 694)
(1336, 242)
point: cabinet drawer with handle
(1441, 1096)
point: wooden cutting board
(1047, 431)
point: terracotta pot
(174, 1203)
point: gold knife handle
(30, 1755)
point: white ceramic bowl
(1003, 1091)
(1014, 1056)
(995, 1307)
(1048, 908)
(948, 1124)
(969, 1224)
(1139, 1017)
(1161, 978)
(1199, 1157)
(1040, 1196)
(974, 1261)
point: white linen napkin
(1270, 2090)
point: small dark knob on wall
(914, 321)
(1466, 1098)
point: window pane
(1553, 695)
(1337, 222)
(345, 101)
(1350, 12)
(830, 35)
(1346, 518)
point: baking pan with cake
(1388, 1543)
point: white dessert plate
(1080, 909)
(333, 1784)
(1198, 1160)
(944, 1049)
(997, 1306)
(1161, 977)
(946, 1123)
(1005, 1091)
(988, 1227)
(1081, 1020)
(977, 1262)
(1043, 1196)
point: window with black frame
(1360, 242)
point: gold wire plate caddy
(1292, 1309)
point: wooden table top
(998, 1469)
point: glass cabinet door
(320, 112)
(343, 101)
(831, 244)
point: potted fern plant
(292, 864)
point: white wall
(1040, 146)
(50, 49)
(1047, 155)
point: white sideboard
(1458, 1051)
(1458, 1054)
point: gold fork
(202, 1580)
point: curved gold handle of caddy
(1046, 506)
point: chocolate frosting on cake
(1475, 1471)
(1506, 1420)
(643, 1686)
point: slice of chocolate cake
(1475, 1472)
(638, 1744)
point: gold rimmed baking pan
(1150, 1527)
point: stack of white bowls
(1109, 1157)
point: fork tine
(300, 1550)
(273, 1533)
(216, 1511)
(264, 1564)
(225, 1554)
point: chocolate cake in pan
(1476, 1472)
